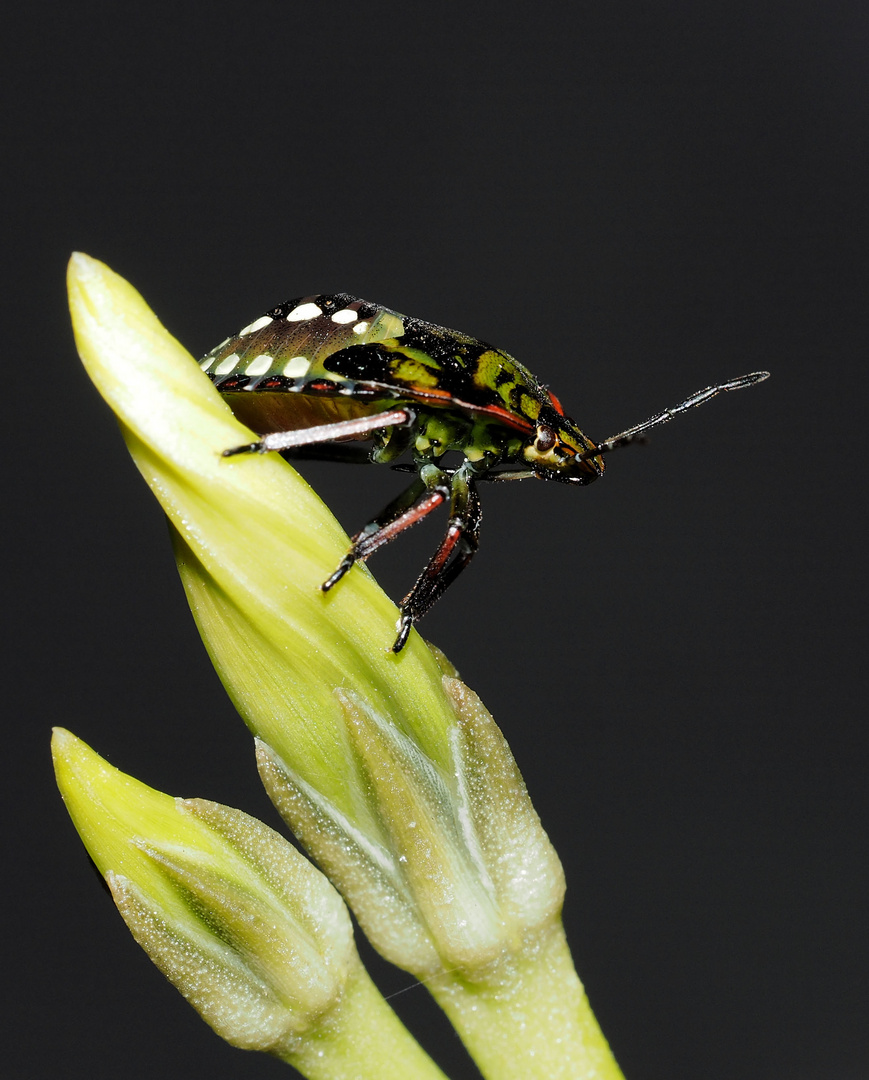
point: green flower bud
(459, 873)
(253, 936)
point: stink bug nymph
(318, 375)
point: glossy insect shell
(324, 358)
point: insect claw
(343, 566)
(248, 448)
(404, 626)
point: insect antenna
(635, 434)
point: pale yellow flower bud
(460, 873)
(253, 936)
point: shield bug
(317, 375)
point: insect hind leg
(357, 428)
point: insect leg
(456, 550)
(342, 429)
(423, 496)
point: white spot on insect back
(257, 324)
(296, 366)
(304, 311)
(225, 366)
(360, 328)
(345, 315)
(259, 366)
(207, 361)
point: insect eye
(545, 440)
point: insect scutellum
(317, 375)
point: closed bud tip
(246, 928)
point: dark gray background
(635, 199)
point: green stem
(362, 1039)
(533, 1022)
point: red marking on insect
(503, 416)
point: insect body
(319, 374)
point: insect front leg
(456, 550)
(424, 495)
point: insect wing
(285, 348)
(338, 344)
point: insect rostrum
(319, 374)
